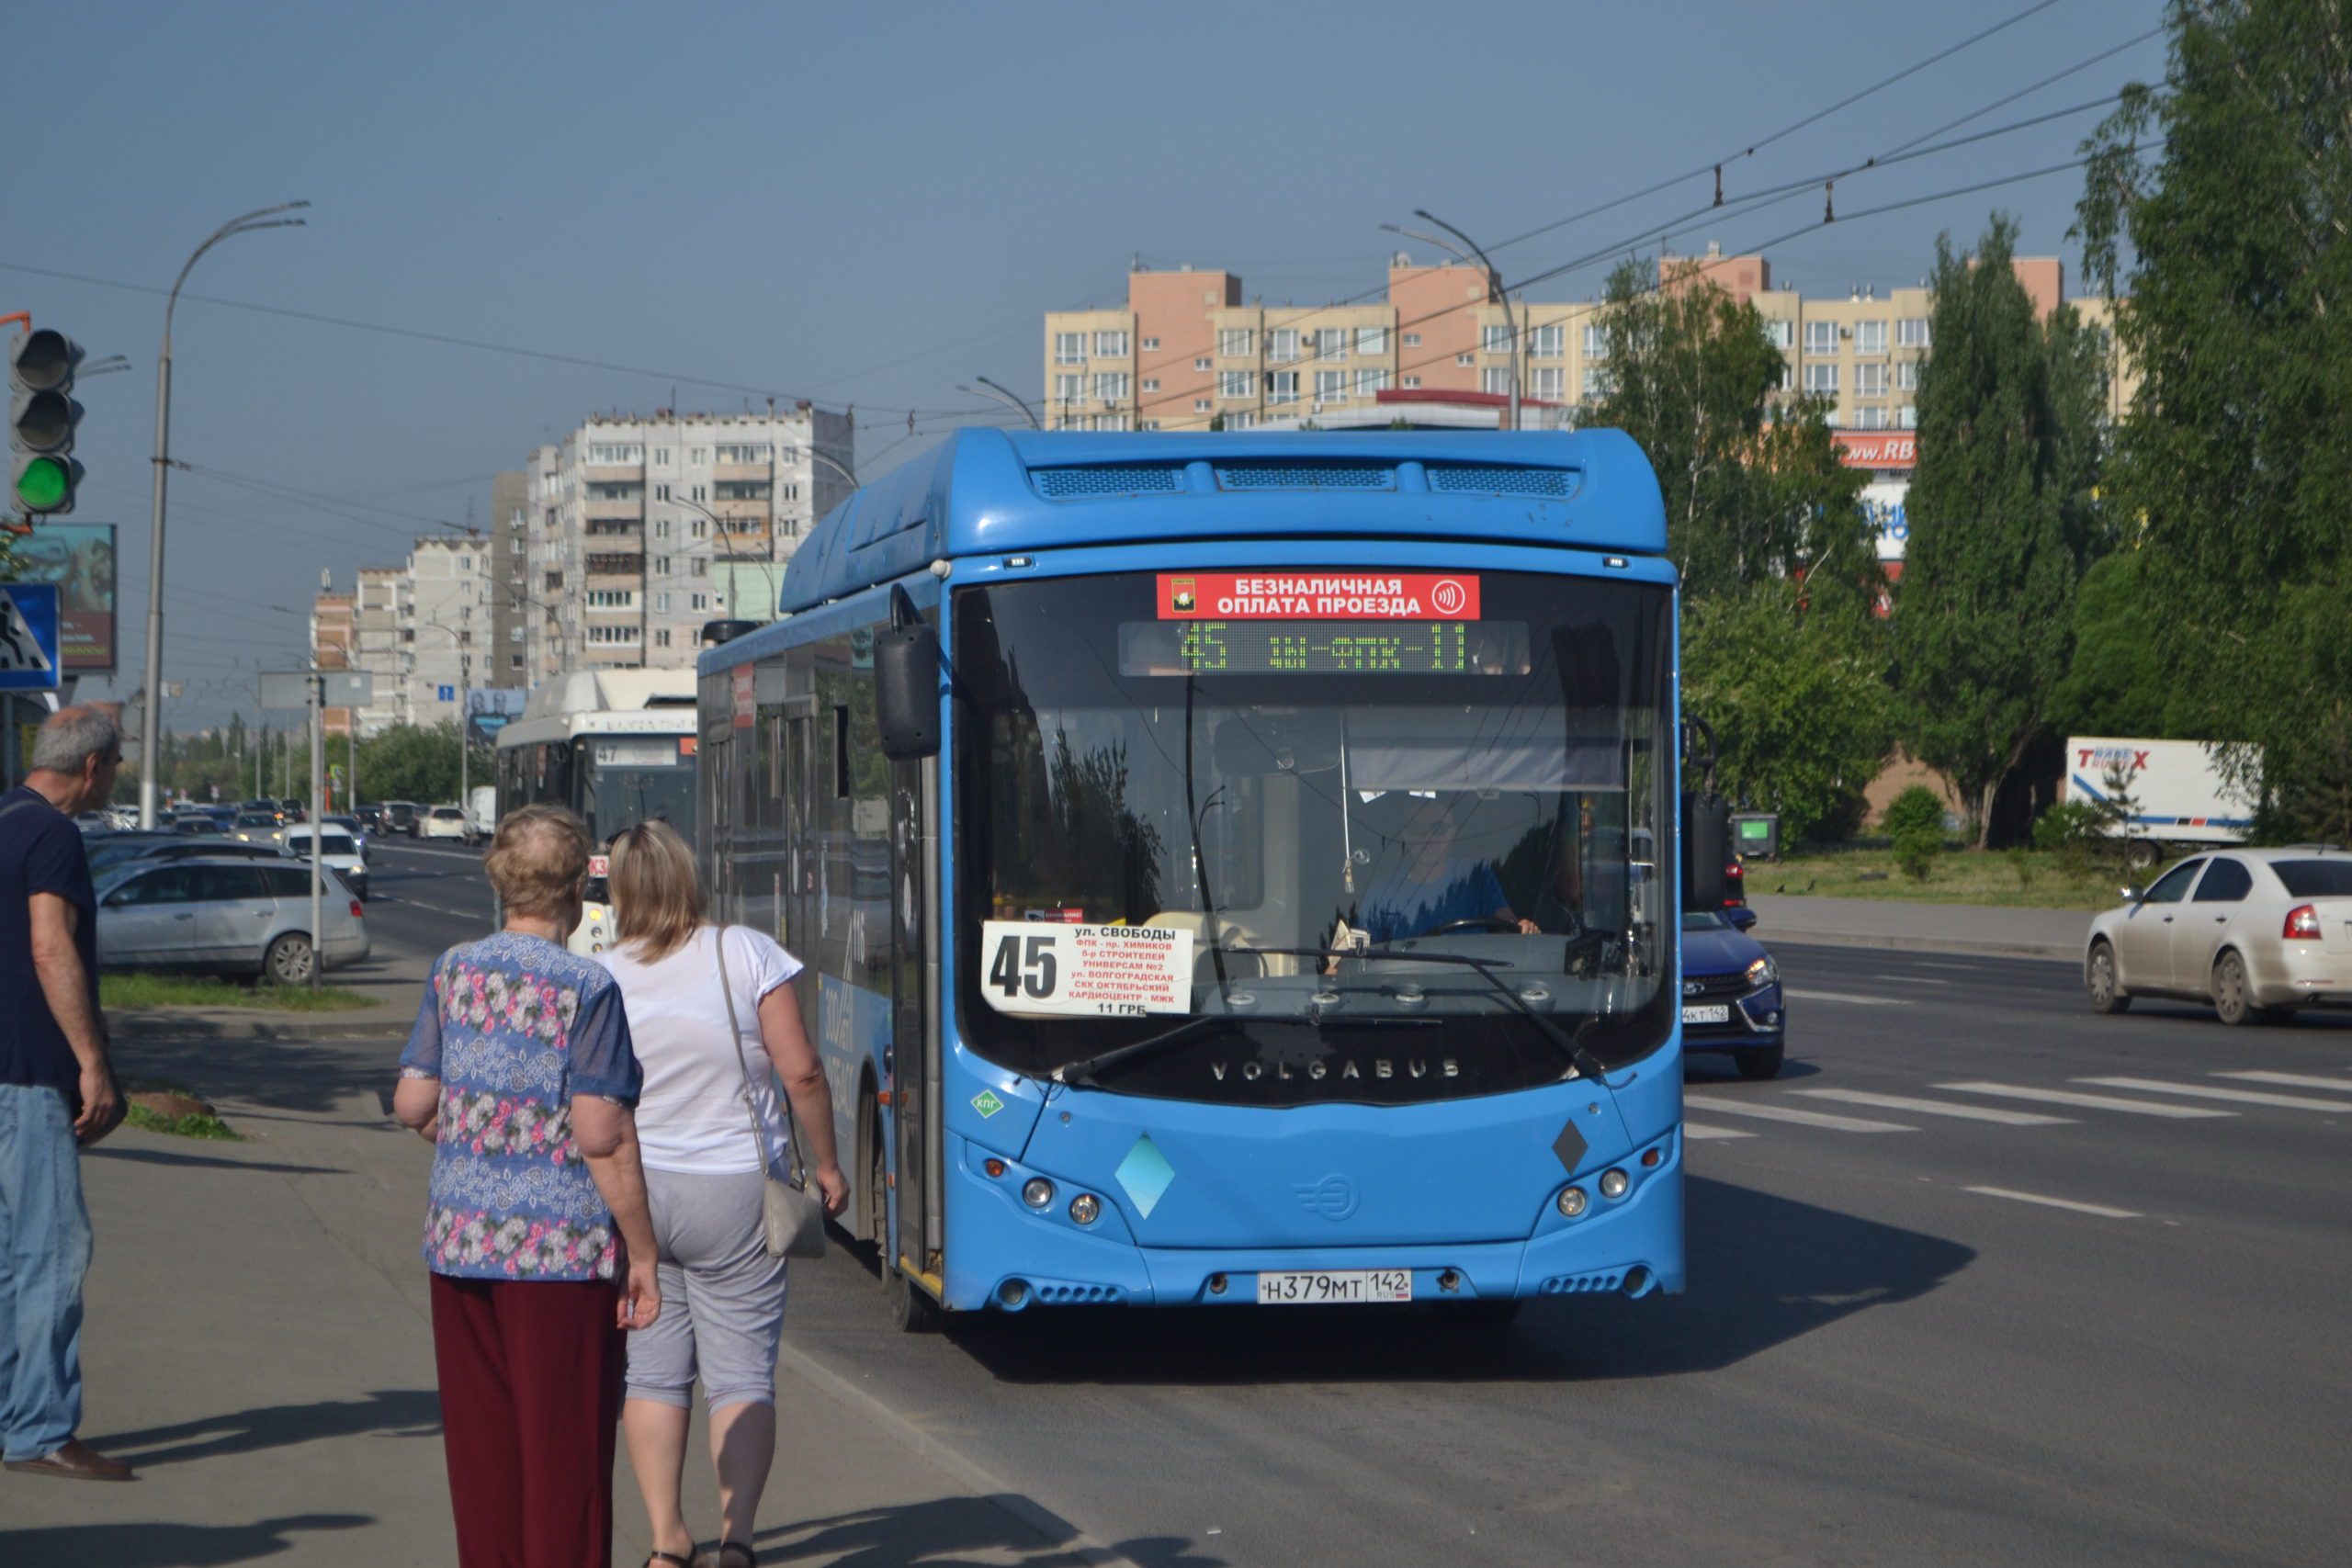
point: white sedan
(444, 822)
(2255, 934)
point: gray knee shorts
(722, 1295)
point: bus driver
(1435, 888)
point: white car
(444, 822)
(343, 855)
(2257, 933)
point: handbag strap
(750, 1096)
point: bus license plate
(1335, 1285)
(1719, 1012)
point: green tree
(2220, 204)
(1753, 486)
(1798, 701)
(2119, 679)
(2002, 521)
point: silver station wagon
(2257, 933)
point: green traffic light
(43, 485)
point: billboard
(490, 709)
(1885, 450)
(79, 559)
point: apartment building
(1185, 353)
(443, 613)
(630, 520)
(510, 567)
(376, 643)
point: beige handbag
(792, 1217)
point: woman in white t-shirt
(722, 1294)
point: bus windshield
(1319, 810)
(615, 797)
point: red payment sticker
(1318, 596)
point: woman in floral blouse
(520, 1072)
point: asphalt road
(1939, 1312)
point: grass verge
(144, 990)
(189, 1126)
(210, 1127)
(2016, 879)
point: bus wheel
(912, 1312)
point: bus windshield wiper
(1579, 1058)
(1084, 1071)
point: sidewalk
(257, 1342)
(1938, 928)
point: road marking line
(2088, 1101)
(1801, 1118)
(1926, 980)
(1938, 1108)
(2294, 1080)
(1846, 996)
(1956, 968)
(2101, 1210)
(1696, 1130)
(2240, 1096)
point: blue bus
(1231, 869)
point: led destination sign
(1323, 648)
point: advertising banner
(79, 559)
(490, 709)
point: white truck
(2179, 792)
(482, 812)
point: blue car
(1731, 992)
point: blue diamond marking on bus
(1145, 1175)
(987, 1103)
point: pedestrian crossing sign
(29, 660)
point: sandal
(659, 1556)
(717, 1556)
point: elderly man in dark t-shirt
(57, 1092)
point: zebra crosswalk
(2219, 1094)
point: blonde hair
(539, 862)
(657, 894)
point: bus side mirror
(906, 691)
(1706, 849)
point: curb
(2042, 951)
(162, 1025)
(1067, 1536)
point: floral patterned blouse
(514, 1027)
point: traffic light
(41, 417)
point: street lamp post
(1494, 289)
(151, 716)
(465, 748)
(735, 557)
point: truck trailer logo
(2105, 757)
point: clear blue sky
(860, 203)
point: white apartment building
(376, 643)
(632, 523)
(445, 627)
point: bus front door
(915, 1069)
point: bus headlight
(1085, 1208)
(1572, 1201)
(1613, 1183)
(1037, 1192)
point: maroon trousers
(531, 1377)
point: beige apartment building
(1184, 352)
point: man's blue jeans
(44, 1252)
